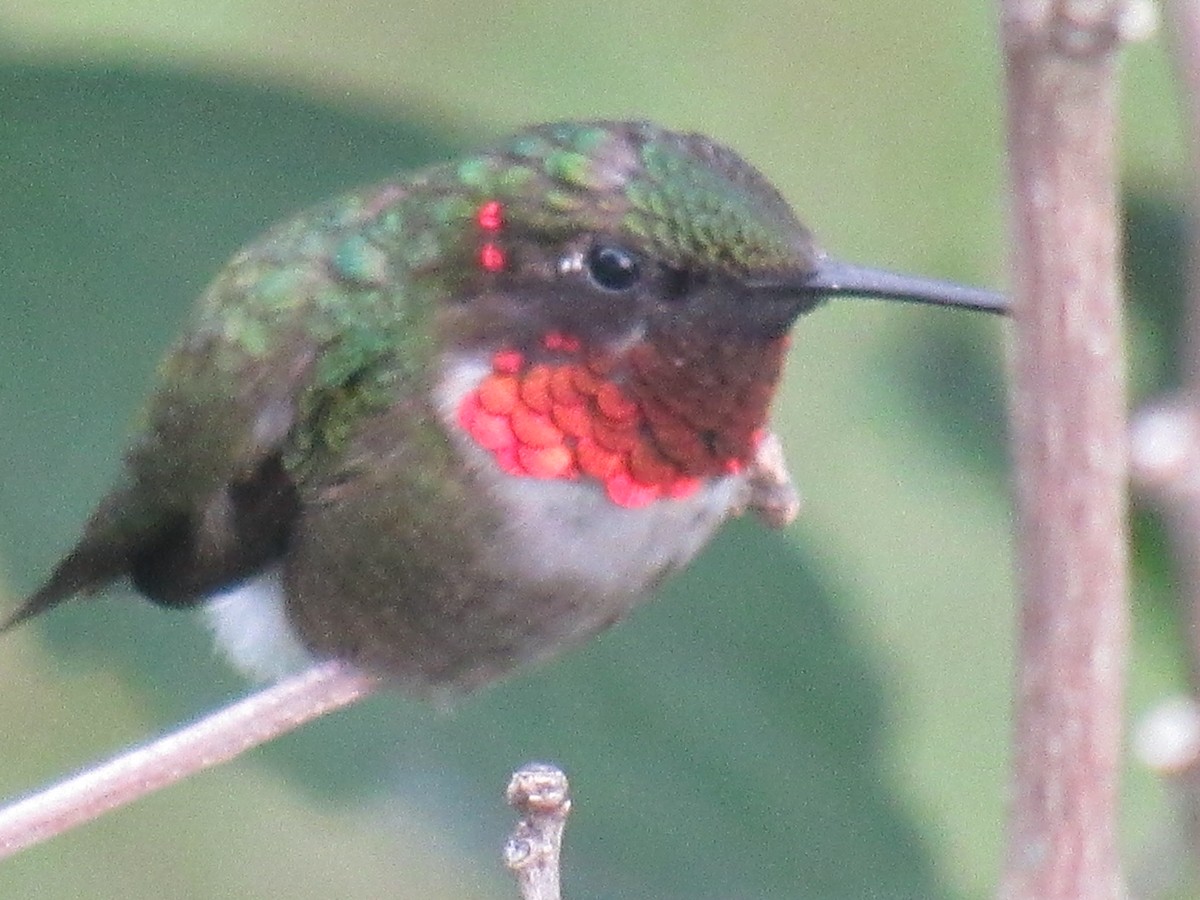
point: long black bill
(838, 279)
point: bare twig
(539, 792)
(1165, 452)
(215, 739)
(1181, 493)
(1167, 741)
(1184, 34)
(1069, 444)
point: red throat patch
(572, 419)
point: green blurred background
(822, 712)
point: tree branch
(540, 793)
(1068, 415)
(1165, 454)
(210, 741)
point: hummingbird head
(611, 230)
(635, 287)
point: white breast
(569, 529)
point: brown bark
(1068, 422)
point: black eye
(612, 268)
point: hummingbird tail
(81, 572)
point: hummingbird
(453, 423)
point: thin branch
(1165, 452)
(540, 793)
(212, 740)
(1068, 409)
(1184, 33)
(1167, 741)
(1182, 493)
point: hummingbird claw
(771, 493)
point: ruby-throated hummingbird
(457, 421)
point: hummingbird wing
(207, 497)
(204, 498)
